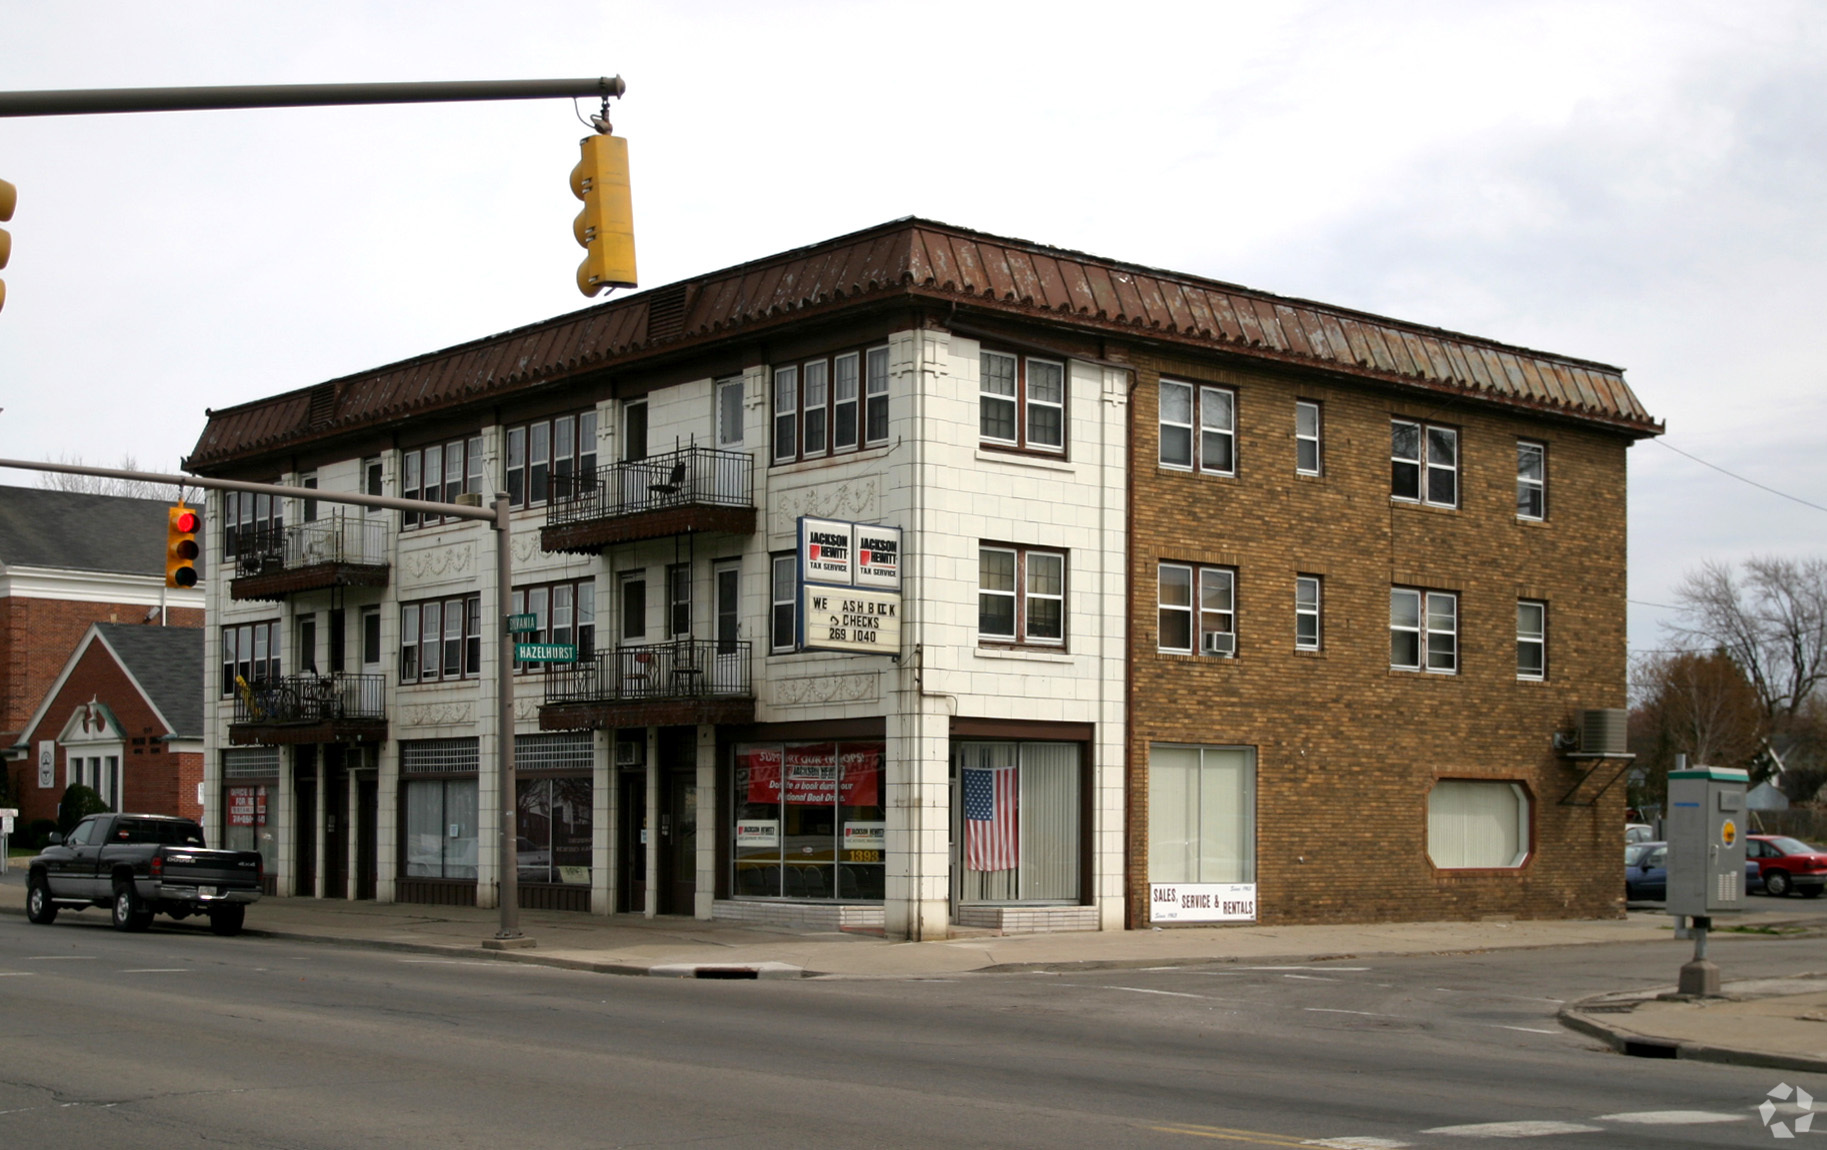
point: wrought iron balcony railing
(686, 669)
(352, 540)
(686, 477)
(308, 699)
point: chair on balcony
(687, 676)
(668, 491)
(641, 676)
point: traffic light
(606, 225)
(9, 196)
(181, 546)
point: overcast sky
(1636, 183)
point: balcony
(661, 684)
(678, 492)
(341, 551)
(333, 708)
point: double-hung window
(830, 405)
(1531, 639)
(438, 473)
(729, 412)
(1423, 463)
(1306, 612)
(562, 612)
(1021, 402)
(1306, 437)
(1211, 413)
(1423, 630)
(1212, 622)
(1021, 596)
(441, 639)
(550, 458)
(783, 604)
(1531, 480)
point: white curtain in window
(1476, 824)
(1049, 821)
(1201, 814)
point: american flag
(991, 839)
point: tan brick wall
(1348, 749)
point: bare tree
(1772, 622)
(1698, 705)
(99, 484)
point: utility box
(1706, 840)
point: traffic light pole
(508, 932)
(99, 101)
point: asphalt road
(181, 1039)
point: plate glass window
(1201, 814)
(1017, 821)
(1477, 824)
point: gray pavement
(1780, 1023)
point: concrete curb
(1590, 1016)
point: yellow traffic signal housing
(9, 198)
(606, 225)
(181, 550)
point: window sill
(1438, 508)
(1527, 521)
(1022, 458)
(1025, 654)
(1196, 472)
(809, 462)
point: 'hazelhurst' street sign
(545, 652)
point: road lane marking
(448, 962)
(1535, 1129)
(1359, 1143)
(1258, 1137)
(1358, 969)
(1336, 1010)
(58, 958)
(1524, 1029)
(159, 970)
(17, 973)
(1671, 1117)
(1310, 978)
(1143, 990)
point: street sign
(545, 652)
(842, 619)
(521, 624)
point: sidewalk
(1779, 1023)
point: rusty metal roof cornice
(915, 260)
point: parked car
(1638, 832)
(1787, 865)
(142, 865)
(1646, 873)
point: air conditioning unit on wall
(1217, 643)
(1604, 731)
(630, 754)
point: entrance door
(679, 844)
(304, 791)
(336, 824)
(366, 801)
(631, 883)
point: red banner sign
(815, 773)
(246, 806)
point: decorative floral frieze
(824, 690)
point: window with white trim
(783, 606)
(729, 412)
(563, 612)
(1423, 463)
(544, 457)
(1477, 824)
(678, 601)
(250, 651)
(441, 639)
(1215, 614)
(1021, 402)
(1213, 412)
(1423, 630)
(1531, 639)
(1531, 480)
(1021, 596)
(1306, 612)
(1306, 437)
(830, 405)
(439, 473)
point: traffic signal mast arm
(98, 101)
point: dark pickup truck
(142, 865)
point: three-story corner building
(1175, 592)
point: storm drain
(743, 972)
(1643, 1048)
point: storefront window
(553, 830)
(1201, 814)
(1018, 809)
(809, 822)
(441, 828)
(245, 828)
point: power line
(1740, 478)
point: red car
(1787, 865)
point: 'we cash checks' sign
(850, 587)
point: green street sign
(545, 652)
(520, 624)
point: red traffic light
(186, 521)
(181, 549)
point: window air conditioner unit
(1217, 643)
(629, 754)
